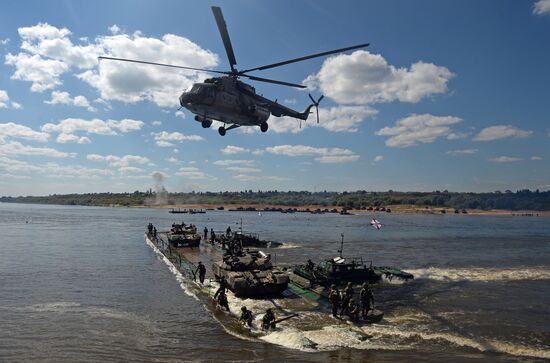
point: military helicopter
(231, 101)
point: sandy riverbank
(400, 209)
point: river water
(81, 284)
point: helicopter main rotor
(222, 28)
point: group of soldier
(345, 302)
(247, 317)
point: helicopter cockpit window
(196, 89)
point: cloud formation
(323, 154)
(504, 159)
(415, 129)
(47, 53)
(541, 7)
(68, 128)
(5, 101)
(167, 139)
(462, 152)
(13, 130)
(500, 132)
(64, 98)
(231, 149)
(366, 78)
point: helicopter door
(209, 95)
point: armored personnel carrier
(251, 274)
(340, 270)
(181, 235)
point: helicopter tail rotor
(316, 104)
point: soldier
(205, 233)
(334, 298)
(347, 296)
(246, 316)
(222, 288)
(212, 235)
(268, 321)
(228, 231)
(353, 310)
(202, 272)
(310, 265)
(367, 299)
(150, 228)
(155, 232)
(222, 300)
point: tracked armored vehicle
(251, 274)
(181, 235)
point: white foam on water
(58, 306)
(331, 336)
(179, 276)
(288, 245)
(482, 274)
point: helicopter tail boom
(304, 115)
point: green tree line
(518, 200)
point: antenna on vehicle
(341, 245)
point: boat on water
(251, 274)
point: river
(81, 284)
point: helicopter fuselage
(226, 100)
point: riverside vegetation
(507, 200)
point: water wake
(316, 331)
(482, 274)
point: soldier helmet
(243, 308)
(350, 284)
(332, 286)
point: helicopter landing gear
(206, 123)
(221, 130)
(264, 126)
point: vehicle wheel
(264, 126)
(206, 123)
(221, 130)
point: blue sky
(448, 96)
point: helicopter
(231, 101)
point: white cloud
(14, 130)
(462, 152)
(378, 158)
(4, 41)
(166, 139)
(172, 159)
(51, 169)
(119, 161)
(73, 139)
(68, 127)
(16, 148)
(256, 178)
(48, 52)
(337, 159)
(65, 98)
(179, 114)
(414, 129)
(4, 98)
(191, 172)
(504, 159)
(536, 158)
(324, 155)
(365, 78)
(5, 101)
(243, 169)
(229, 162)
(337, 119)
(156, 123)
(231, 149)
(500, 132)
(114, 29)
(43, 73)
(541, 7)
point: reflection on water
(80, 284)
